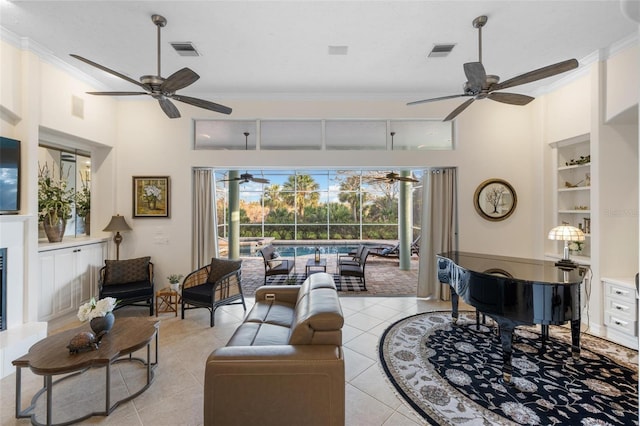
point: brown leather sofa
(284, 364)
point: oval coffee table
(50, 357)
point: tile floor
(176, 397)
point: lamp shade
(116, 224)
(566, 233)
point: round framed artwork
(495, 199)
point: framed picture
(151, 196)
(495, 199)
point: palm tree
(299, 191)
(350, 194)
(272, 197)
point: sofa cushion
(259, 334)
(126, 271)
(272, 312)
(318, 319)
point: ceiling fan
(392, 177)
(481, 85)
(162, 89)
(247, 177)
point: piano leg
(454, 306)
(575, 339)
(544, 331)
(506, 336)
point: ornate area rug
(451, 374)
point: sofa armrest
(288, 294)
(303, 383)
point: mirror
(76, 169)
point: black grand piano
(514, 291)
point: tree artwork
(494, 197)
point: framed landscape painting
(151, 196)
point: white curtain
(439, 227)
(205, 226)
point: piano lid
(534, 270)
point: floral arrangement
(83, 197)
(575, 246)
(54, 198)
(151, 193)
(174, 278)
(95, 309)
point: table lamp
(116, 225)
(566, 233)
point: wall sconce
(116, 225)
(566, 233)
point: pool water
(290, 250)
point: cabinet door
(65, 281)
(47, 286)
(89, 260)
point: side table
(318, 266)
(167, 300)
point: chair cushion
(128, 290)
(200, 293)
(222, 267)
(126, 271)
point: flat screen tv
(9, 176)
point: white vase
(174, 286)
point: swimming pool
(291, 248)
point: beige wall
(622, 83)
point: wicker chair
(212, 286)
(129, 281)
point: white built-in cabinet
(621, 311)
(68, 277)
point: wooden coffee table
(50, 357)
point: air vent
(338, 50)
(441, 50)
(185, 48)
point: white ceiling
(265, 48)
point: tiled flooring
(176, 396)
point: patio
(384, 278)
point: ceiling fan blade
(117, 93)
(476, 75)
(538, 74)
(169, 108)
(201, 103)
(179, 80)
(406, 179)
(260, 180)
(510, 98)
(436, 99)
(458, 110)
(229, 180)
(110, 71)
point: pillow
(274, 263)
(126, 271)
(221, 267)
(275, 255)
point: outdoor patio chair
(356, 269)
(212, 286)
(274, 264)
(129, 281)
(351, 258)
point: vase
(87, 224)
(102, 325)
(54, 231)
(152, 204)
(174, 286)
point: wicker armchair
(212, 286)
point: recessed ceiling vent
(441, 50)
(185, 48)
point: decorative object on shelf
(495, 199)
(587, 179)
(151, 196)
(575, 247)
(83, 201)
(84, 341)
(587, 225)
(572, 185)
(317, 255)
(566, 233)
(99, 314)
(116, 225)
(54, 201)
(580, 208)
(174, 281)
(584, 159)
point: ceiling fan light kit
(159, 88)
(480, 85)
